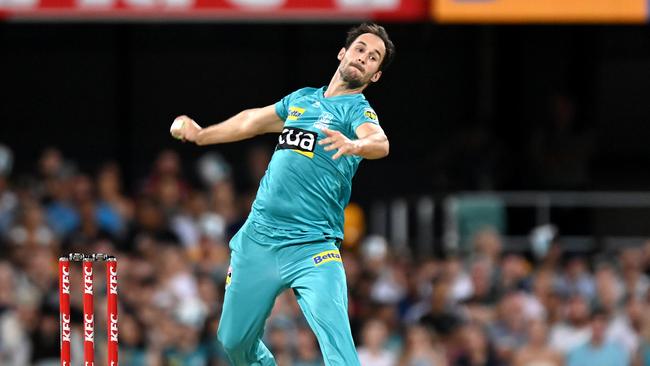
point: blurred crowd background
(486, 306)
(507, 226)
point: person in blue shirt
(598, 351)
(292, 236)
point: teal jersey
(304, 191)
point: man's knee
(232, 342)
(242, 352)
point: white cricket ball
(177, 125)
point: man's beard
(352, 81)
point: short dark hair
(380, 32)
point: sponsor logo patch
(295, 113)
(327, 256)
(296, 139)
(370, 114)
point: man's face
(578, 310)
(598, 327)
(360, 62)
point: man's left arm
(371, 143)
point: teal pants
(262, 265)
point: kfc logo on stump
(88, 280)
(89, 330)
(112, 281)
(65, 328)
(65, 280)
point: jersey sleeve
(282, 106)
(364, 114)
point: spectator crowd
(487, 307)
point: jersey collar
(321, 94)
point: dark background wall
(465, 107)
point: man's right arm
(244, 125)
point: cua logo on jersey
(327, 256)
(370, 114)
(295, 113)
(301, 141)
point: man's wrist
(194, 137)
(359, 146)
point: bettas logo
(89, 328)
(295, 113)
(298, 140)
(327, 256)
(370, 114)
